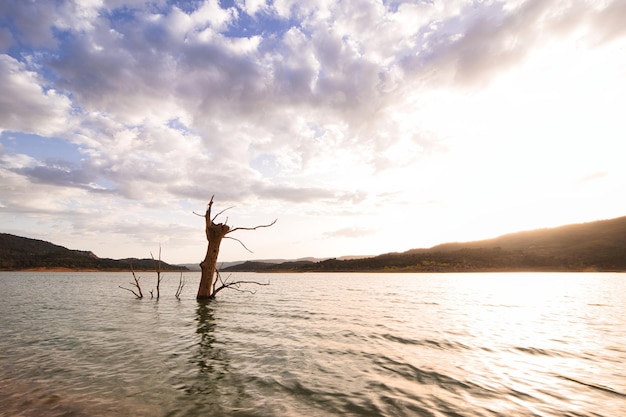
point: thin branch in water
(219, 277)
(181, 285)
(135, 284)
(157, 266)
(236, 284)
(128, 289)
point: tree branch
(253, 228)
(136, 284)
(215, 217)
(128, 289)
(157, 266)
(208, 209)
(244, 246)
(236, 284)
(181, 285)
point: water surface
(74, 344)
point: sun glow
(529, 150)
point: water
(74, 344)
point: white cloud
(333, 108)
(25, 105)
(252, 7)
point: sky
(363, 126)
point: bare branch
(236, 288)
(157, 266)
(249, 282)
(181, 285)
(253, 228)
(136, 284)
(215, 217)
(233, 238)
(219, 276)
(137, 294)
(236, 284)
(128, 289)
(208, 209)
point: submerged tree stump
(215, 232)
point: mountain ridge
(22, 253)
(591, 246)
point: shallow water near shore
(519, 344)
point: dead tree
(138, 294)
(157, 268)
(215, 232)
(181, 285)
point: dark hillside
(18, 253)
(581, 237)
(595, 246)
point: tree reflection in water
(213, 388)
(210, 361)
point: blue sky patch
(40, 148)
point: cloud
(593, 176)
(607, 23)
(25, 105)
(251, 7)
(337, 71)
(350, 232)
(296, 194)
(319, 104)
(59, 173)
(31, 22)
(476, 43)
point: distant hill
(594, 246)
(19, 253)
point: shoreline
(65, 269)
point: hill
(594, 246)
(19, 253)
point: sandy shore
(61, 269)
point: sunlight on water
(315, 345)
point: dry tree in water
(215, 232)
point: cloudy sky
(364, 126)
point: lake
(498, 344)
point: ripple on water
(317, 345)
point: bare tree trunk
(157, 267)
(214, 234)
